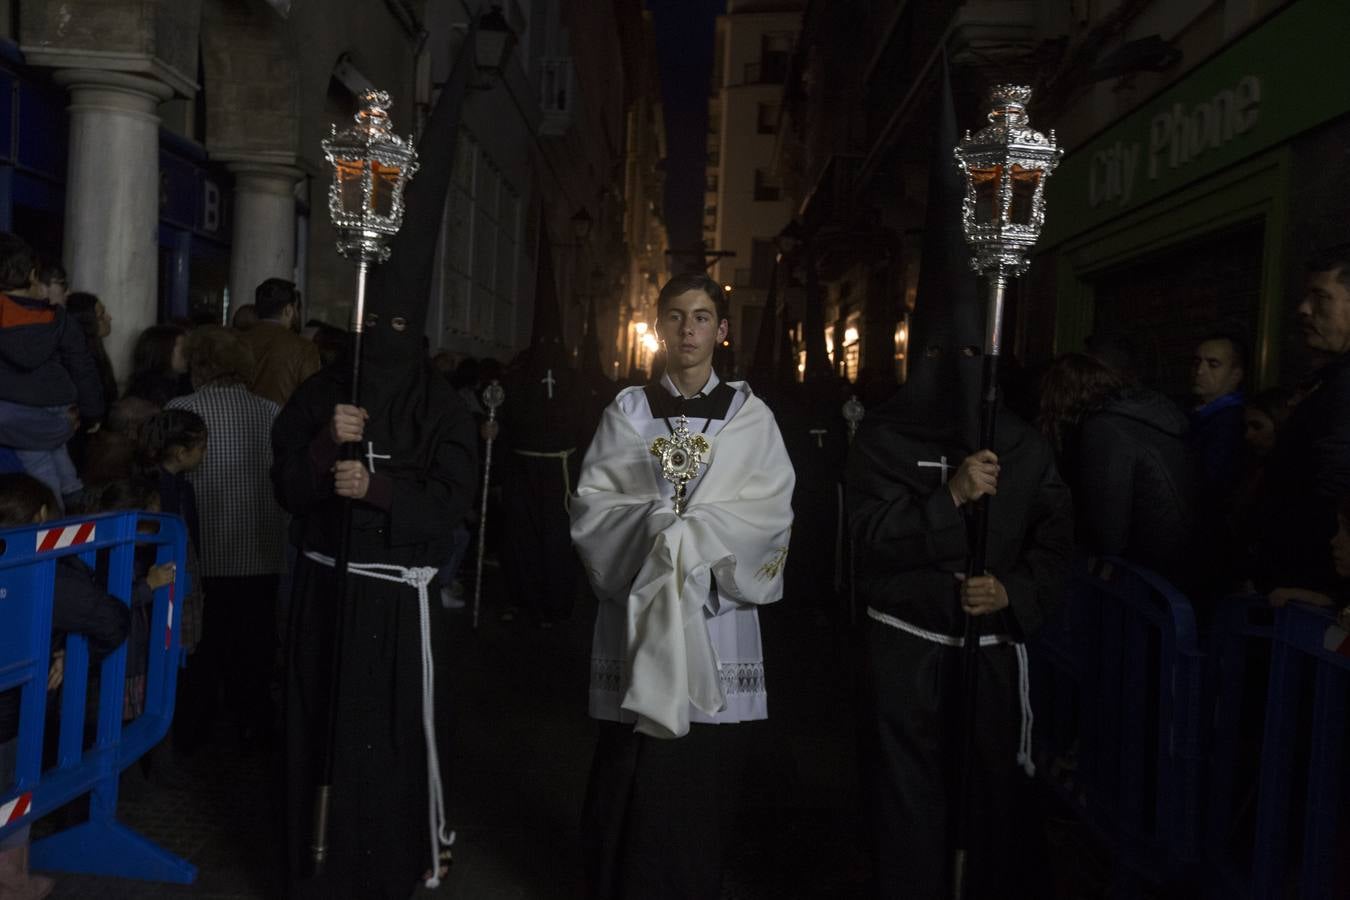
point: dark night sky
(684, 46)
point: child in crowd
(111, 453)
(49, 382)
(119, 496)
(171, 444)
(79, 606)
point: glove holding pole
(1005, 166)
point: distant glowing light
(640, 327)
(727, 288)
(850, 335)
(650, 342)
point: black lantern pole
(1005, 166)
(371, 167)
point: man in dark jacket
(1217, 421)
(1132, 478)
(282, 358)
(1309, 469)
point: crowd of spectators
(190, 435)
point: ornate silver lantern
(371, 167)
(1005, 165)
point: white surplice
(677, 630)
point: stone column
(112, 198)
(263, 242)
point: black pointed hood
(546, 340)
(941, 396)
(399, 290)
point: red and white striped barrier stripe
(66, 536)
(15, 809)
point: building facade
(745, 204)
(169, 152)
(1201, 164)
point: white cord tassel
(420, 578)
(1024, 693)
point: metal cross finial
(548, 381)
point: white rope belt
(419, 577)
(559, 455)
(986, 640)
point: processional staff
(371, 167)
(493, 395)
(853, 412)
(1005, 166)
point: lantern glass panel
(384, 182)
(985, 182)
(1024, 184)
(351, 193)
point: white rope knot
(987, 640)
(419, 578)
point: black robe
(910, 539)
(378, 840)
(536, 549)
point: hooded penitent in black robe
(543, 419)
(910, 540)
(540, 460)
(422, 443)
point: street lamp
(496, 40)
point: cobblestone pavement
(521, 749)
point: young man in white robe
(677, 666)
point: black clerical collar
(712, 405)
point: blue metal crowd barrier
(1300, 834)
(28, 560)
(1116, 684)
(1237, 672)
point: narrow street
(522, 748)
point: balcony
(557, 95)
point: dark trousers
(656, 811)
(911, 756)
